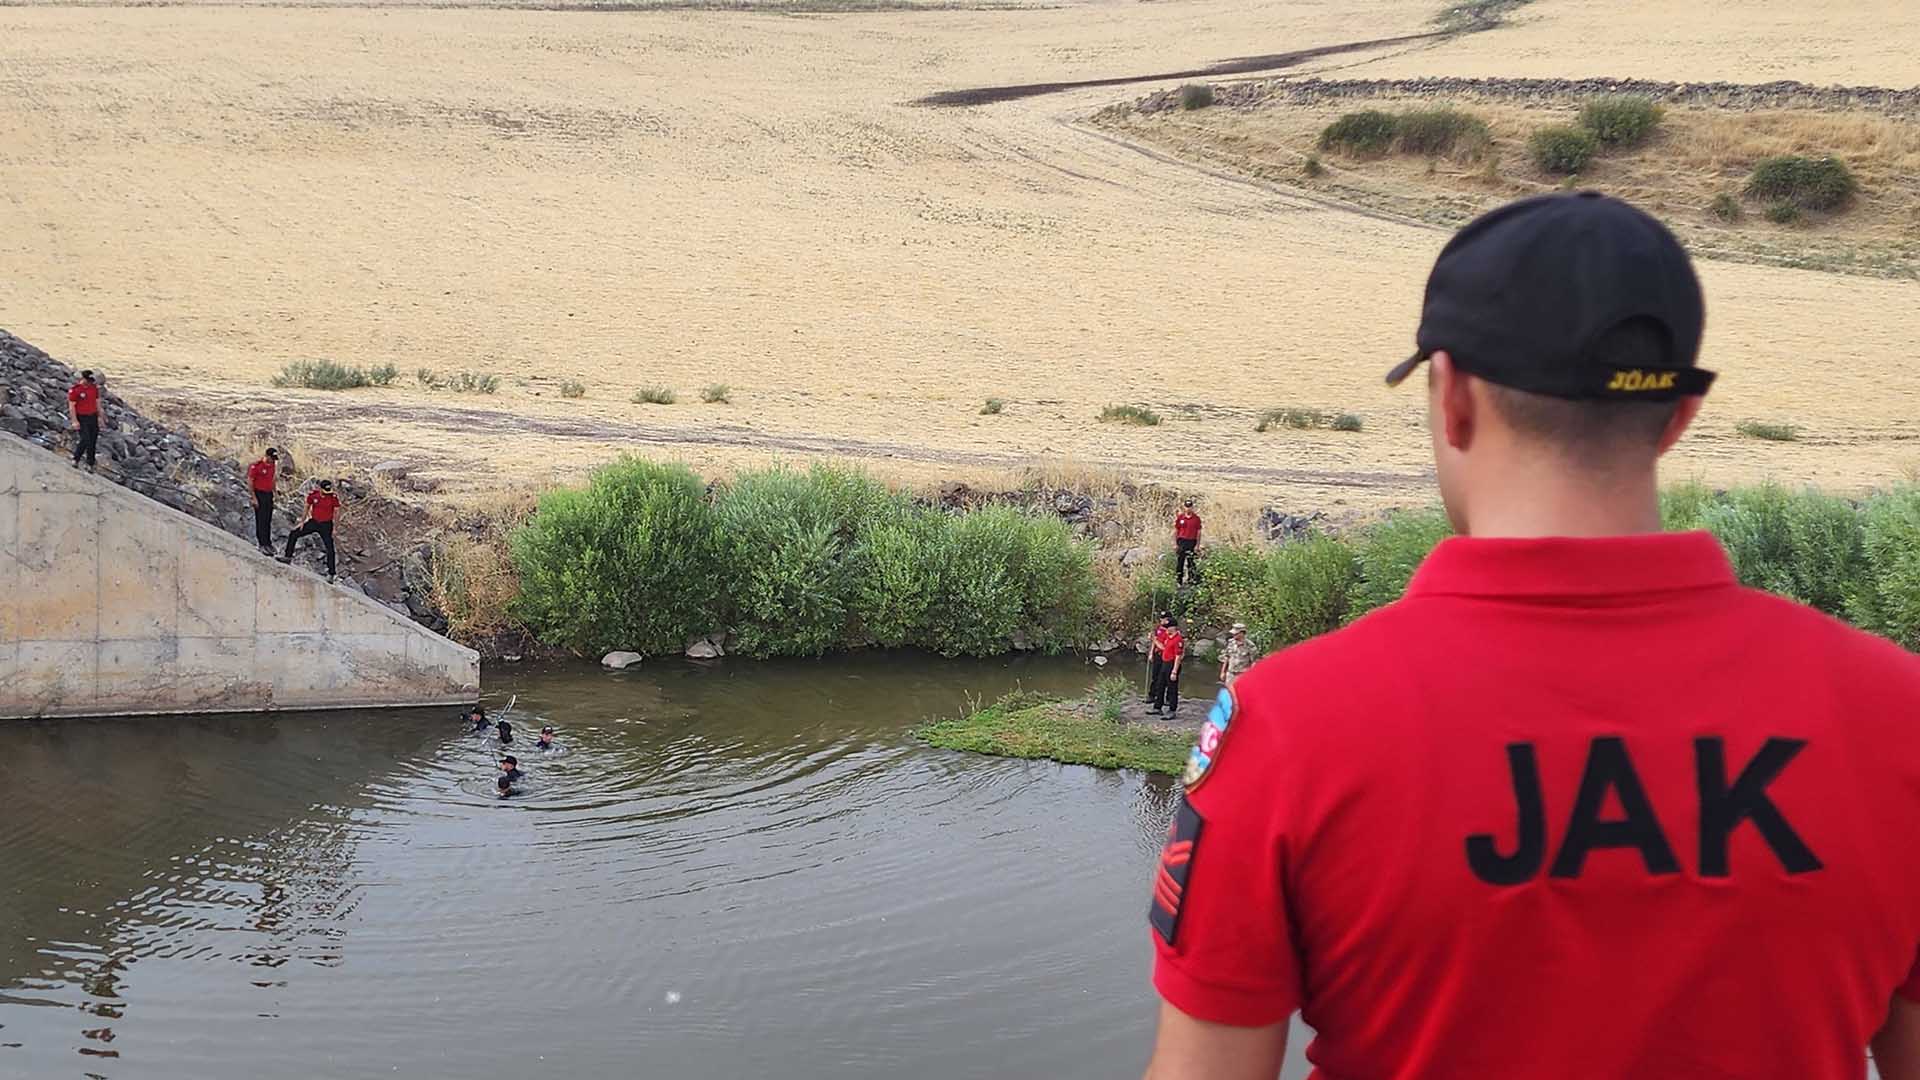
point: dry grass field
(191, 197)
(1698, 154)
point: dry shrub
(473, 583)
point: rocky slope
(380, 551)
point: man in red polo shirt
(83, 403)
(1579, 805)
(1186, 537)
(1172, 649)
(261, 476)
(322, 507)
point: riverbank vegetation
(1088, 731)
(648, 556)
(793, 563)
(1856, 560)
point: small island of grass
(1099, 730)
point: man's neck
(1536, 502)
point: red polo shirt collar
(1562, 566)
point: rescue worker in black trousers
(83, 404)
(322, 505)
(261, 477)
(1155, 668)
(1166, 688)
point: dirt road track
(459, 424)
(1242, 65)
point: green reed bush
(1439, 131)
(1387, 553)
(1886, 598)
(1562, 149)
(1620, 120)
(786, 560)
(1802, 182)
(630, 561)
(1362, 134)
(327, 375)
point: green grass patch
(654, 395)
(1621, 120)
(1768, 430)
(1073, 733)
(1312, 167)
(329, 375)
(1196, 96)
(1802, 182)
(993, 407)
(573, 388)
(716, 393)
(1347, 422)
(1129, 414)
(1783, 213)
(1727, 208)
(1562, 149)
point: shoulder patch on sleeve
(1213, 736)
(1170, 877)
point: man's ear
(1682, 418)
(1453, 406)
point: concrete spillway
(111, 603)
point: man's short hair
(1596, 429)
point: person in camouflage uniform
(1238, 656)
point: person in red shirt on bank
(1186, 537)
(1579, 805)
(261, 476)
(323, 506)
(1154, 663)
(83, 404)
(1166, 679)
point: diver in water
(546, 737)
(510, 769)
(506, 787)
(478, 716)
(506, 733)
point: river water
(730, 870)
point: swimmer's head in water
(505, 785)
(547, 730)
(509, 762)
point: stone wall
(111, 603)
(1257, 93)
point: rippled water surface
(735, 870)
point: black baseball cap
(1521, 296)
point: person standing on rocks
(1186, 537)
(1579, 804)
(322, 507)
(261, 476)
(1238, 656)
(83, 404)
(1172, 650)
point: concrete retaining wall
(111, 603)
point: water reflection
(734, 869)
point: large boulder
(620, 660)
(707, 648)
